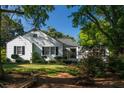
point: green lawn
(47, 68)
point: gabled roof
(42, 39)
(67, 41)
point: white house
(44, 45)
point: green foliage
(38, 14)
(55, 34)
(8, 60)
(59, 60)
(52, 62)
(116, 63)
(9, 29)
(14, 56)
(90, 36)
(26, 61)
(36, 58)
(92, 66)
(113, 27)
(3, 55)
(19, 60)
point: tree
(37, 15)
(113, 15)
(55, 34)
(9, 29)
(90, 35)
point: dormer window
(35, 35)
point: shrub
(59, 60)
(36, 58)
(92, 66)
(26, 61)
(19, 61)
(3, 55)
(17, 58)
(52, 62)
(8, 60)
(116, 63)
(14, 56)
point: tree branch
(99, 27)
(114, 15)
(106, 13)
(11, 11)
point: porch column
(77, 54)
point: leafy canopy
(37, 15)
(112, 15)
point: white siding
(20, 41)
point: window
(46, 50)
(19, 50)
(50, 51)
(53, 50)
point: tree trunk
(1, 67)
(1, 71)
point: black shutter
(43, 50)
(14, 49)
(56, 50)
(23, 50)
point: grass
(46, 68)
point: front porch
(70, 53)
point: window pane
(46, 50)
(19, 50)
(53, 50)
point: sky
(59, 20)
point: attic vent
(34, 35)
